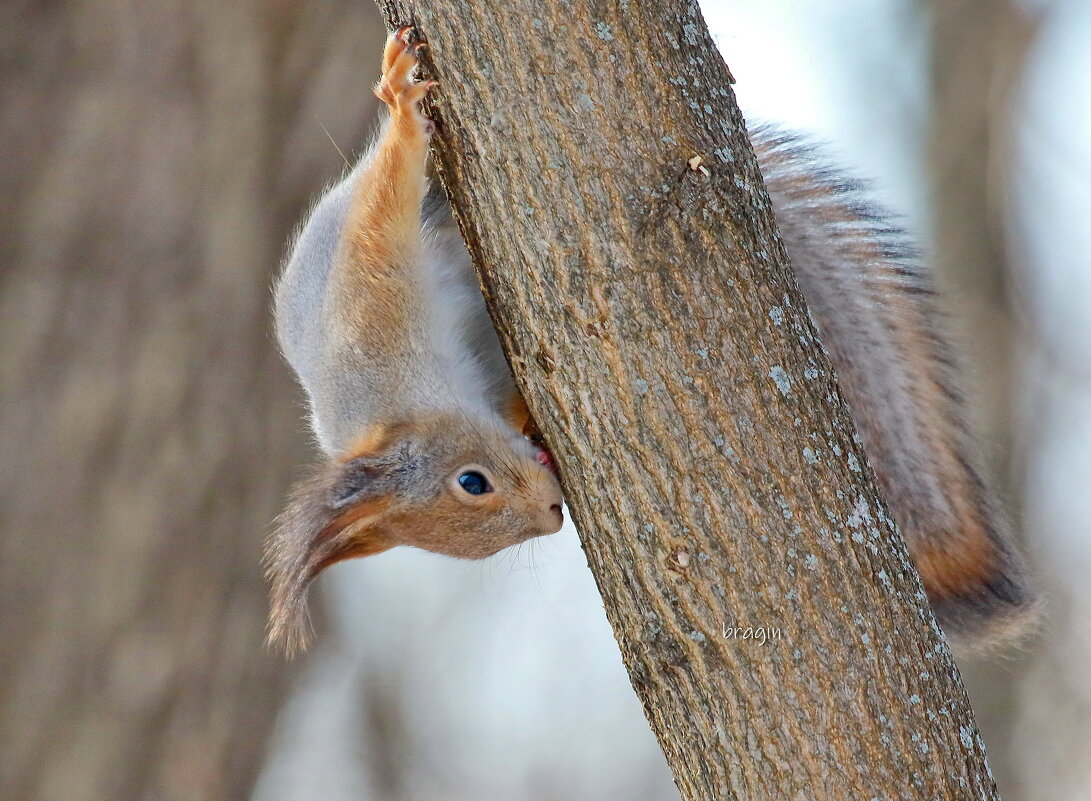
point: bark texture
(156, 157)
(652, 320)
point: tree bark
(152, 172)
(651, 318)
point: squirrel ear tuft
(331, 516)
(379, 464)
(356, 480)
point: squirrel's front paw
(397, 88)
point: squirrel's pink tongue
(545, 458)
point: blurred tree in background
(156, 156)
(979, 51)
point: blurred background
(156, 156)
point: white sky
(849, 71)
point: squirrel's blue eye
(474, 483)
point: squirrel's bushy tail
(980, 605)
(875, 307)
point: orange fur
(517, 413)
(382, 232)
(953, 567)
(364, 540)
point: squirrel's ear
(375, 473)
(331, 516)
(356, 481)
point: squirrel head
(447, 484)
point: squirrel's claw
(396, 87)
(395, 46)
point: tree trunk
(150, 178)
(651, 318)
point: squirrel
(425, 435)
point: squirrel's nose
(552, 518)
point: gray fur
(874, 302)
(346, 395)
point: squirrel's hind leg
(373, 286)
